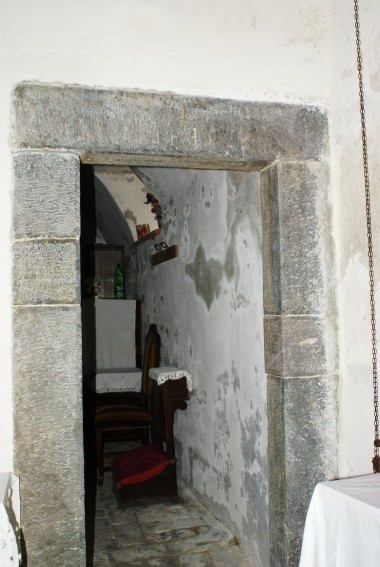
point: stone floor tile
(163, 562)
(133, 563)
(171, 535)
(220, 533)
(118, 516)
(103, 545)
(100, 512)
(103, 529)
(165, 534)
(228, 557)
(156, 513)
(129, 533)
(196, 560)
(202, 542)
(168, 524)
(138, 552)
(101, 560)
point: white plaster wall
(208, 305)
(129, 194)
(356, 413)
(262, 50)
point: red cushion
(140, 464)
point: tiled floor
(161, 534)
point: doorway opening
(208, 307)
(57, 127)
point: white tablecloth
(118, 380)
(343, 524)
(161, 375)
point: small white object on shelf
(161, 375)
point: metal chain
(376, 459)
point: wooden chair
(150, 474)
(128, 420)
(103, 398)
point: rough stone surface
(106, 126)
(164, 534)
(300, 341)
(299, 346)
(205, 131)
(298, 253)
(48, 433)
(302, 416)
(46, 195)
(46, 271)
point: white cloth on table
(161, 375)
(115, 324)
(118, 380)
(343, 524)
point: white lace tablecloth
(161, 375)
(118, 380)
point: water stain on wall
(129, 215)
(206, 275)
(254, 484)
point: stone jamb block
(48, 427)
(298, 254)
(46, 271)
(301, 345)
(303, 440)
(46, 198)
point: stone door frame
(54, 129)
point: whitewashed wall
(129, 194)
(267, 50)
(356, 414)
(208, 305)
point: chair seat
(122, 416)
(130, 419)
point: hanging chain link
(376, 459)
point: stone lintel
(96, 120)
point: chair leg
(145, 436)
(99, 456)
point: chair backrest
(151, 358)
(115, 336)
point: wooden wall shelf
(165, 255)
(149, 236)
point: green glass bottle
(118, 283)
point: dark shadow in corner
(88, 237)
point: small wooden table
(166, 399)
(169, 393)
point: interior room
(207, 302)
